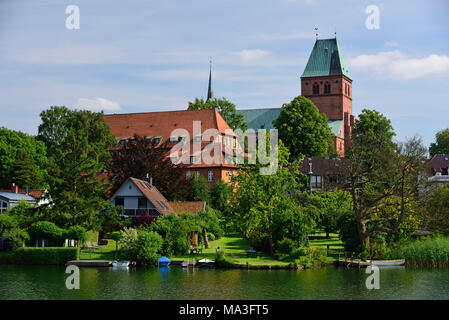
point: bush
(147, 245)
(128, 240)
(77, 233)
(46, 230)
(173, 230)
(222, 261)
(314, 257)
(41, 256)
(286, 245)
(211, 236)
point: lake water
(48, 282)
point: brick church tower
(326, 81)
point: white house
(139, 197)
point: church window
(327, 88)
(316, 88)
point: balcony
(152, 213)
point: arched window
(346, 89)
(316, 88)
(327, 87)
(349, 90)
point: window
(157, 140)
(192, 159)
(122, 142)
(188, 174)
(349, 90)
(3, 206)
(210, 176)
(173, 139)
(142, 203)
(316, 182)
(316, 88)
(119, 202)
(327, 87)
(230, 176)
(197, 174)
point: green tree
(147, 246)
(226, 109)
(173, 229)
(13, 142)
(77, 233)
(382, 177)
(25, 172)
(441, 144)
(221, 195)
(200, 189)
(303, 129)
(78, 144)
(264, 209)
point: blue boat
(164, 261)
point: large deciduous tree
(382, 176)
(303, 129)
(441, 144)
(78, 143)
(226, 109)
(16, 147)
(141, 157)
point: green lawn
(233, 245)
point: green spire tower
(210, 93)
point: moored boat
(206, 263)
(388, 263)
(120, 263)
(164, 261)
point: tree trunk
(327, 229)
(206, 240)
(270, 236)
(116, 249)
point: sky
(143, 55)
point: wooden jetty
(352, 263)
(90, 263)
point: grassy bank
(429, 252)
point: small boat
(120, 263)
(388, 263)
(164, 261)
(206, 263)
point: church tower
(326, 81)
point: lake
(48, 282)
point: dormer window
(173, 139)
(193, 159)
(316, 88)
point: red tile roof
(187, 206)
(153, 195)
(162, 124)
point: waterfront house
(10, 198)
(140, 198)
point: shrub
(41, 256)
(147, 245)
(222, 261)
(314, 257)
(77, 233)
(173, 230)
(46, 230)
(286, 245)
(128, 240)
(211, 236)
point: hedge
(40, 256)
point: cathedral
(327, 83)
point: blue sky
(141, 55)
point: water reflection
(47, 282)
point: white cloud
(398, 65)
(98, 104)
(251, 55)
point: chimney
(15, 188)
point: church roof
(264, 119)
(325, 60)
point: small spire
(210, 93)
(335, 33)
(316, 33)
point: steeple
(210, 93)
